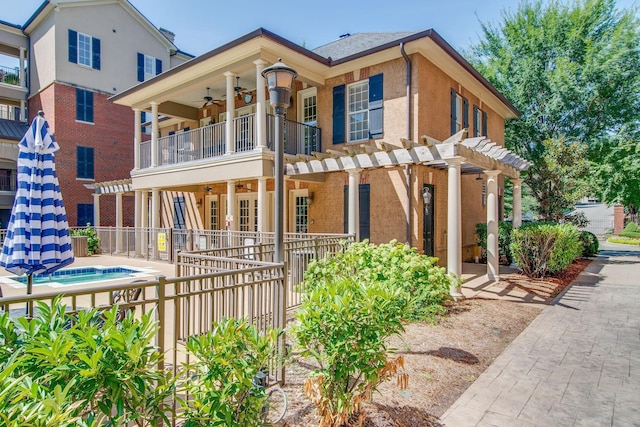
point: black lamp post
(279, 79)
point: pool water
(73, 276)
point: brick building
(388, 136)
(71, 56)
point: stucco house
(388, 136)
(70, 57)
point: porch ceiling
(477, 153)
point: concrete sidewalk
(576, 364)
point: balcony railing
(9, 112)
(8, 182)
(210, 141)
(10, 75)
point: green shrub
(590, 244)
(220, 380)
(631, 230)
(94, 240)
(504, 240)
(624, 240)
(545, 248)
(343, 325)
(83, 369)
(393, 264)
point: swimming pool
(74, 276)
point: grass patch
(624, 240)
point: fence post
(282, 311)
(160, 314)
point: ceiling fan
(208, 99)
(242, 92)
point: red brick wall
(111, 136)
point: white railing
(210, 141)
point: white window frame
(251, 223)
(358, 105)
(459, 113)
(478, 122)
(295, 214)
(304, 95)
(212, 211)
(149, 65)
(85, 49)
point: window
(84, 105)
(84, 50)
(148, 66)
(301, 214)
(459, 112)
(358, 109)
(84, 161)
(85, 214)
(479, 122)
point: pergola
(456, 154)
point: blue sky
(202, 25)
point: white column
(137, 222)
(493, 257)
(119, 229)
(354, 203)
(231, 101)
(261, 112)
(454, 223)
(154, 134)
(23, 110)
(96, 209)
(155, 208)
(145, 222)
(21, 73)
(263, 204)
(517, 202)
(137, 137)
(231, 204)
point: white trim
(363, 111)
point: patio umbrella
(37, 240)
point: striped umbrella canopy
(38, 240)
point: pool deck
(155, 269)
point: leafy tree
(571, 69)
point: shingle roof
(360, 42)
(12, 130)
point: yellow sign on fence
(162, 242)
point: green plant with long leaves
(219, 381)
(344, 324)
(89, 366)
(93, 241)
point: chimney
(168, 34)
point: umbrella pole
(29, 290)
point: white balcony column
(144, 222)
(96, 209)
(454, 224)
(23, 111)
(119, 229)
(154, 134)
(261, 111)
(155, 208)
(21, 72)
(137, 222)
(263, 204)
(354, 204)
(231, 110)
(231, 205)
(493, 256)
(137, 137)
(517, 202)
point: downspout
(28, 77)
(407, 168)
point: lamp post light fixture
(279, 79)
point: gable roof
(352, 44)
(12, 130)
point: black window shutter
(158, 66)
(73, 46)
(338, 114)
(345, 217)
(80, 163)
(140, 67)
(88, 106)
(95, 51)
(465, 113)
(89, 162)
(476, 125)
(453, 111)
(484, 123)
(364, 220)
(376, 97)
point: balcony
(210, 141)
(10, 75)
